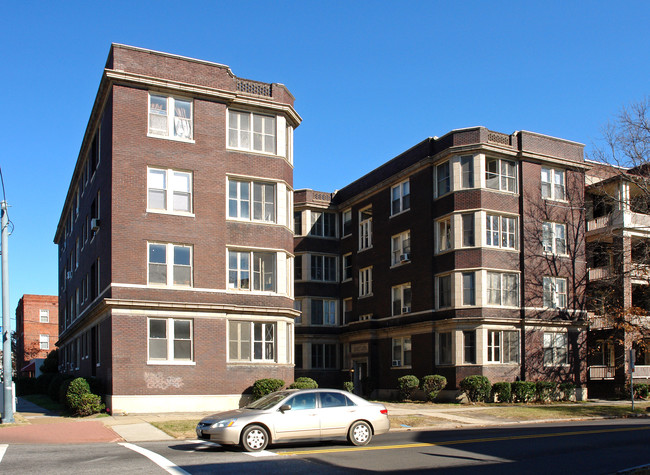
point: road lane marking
(159, 460)
(3, 449)
(464, 441)
(262, 453)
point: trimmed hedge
(567, 388)
(407, 384)
(303, 383)
(80, 401)
(432, 385)
(523, 391)
(545, 390)
(476, 387)
(502, 392)
(265, 386)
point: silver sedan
(295, 414)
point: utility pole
(8, 410)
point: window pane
(158, 273)
(157, 329)
(182, 349)
(157, 199)
(182, 202)
(158, 349)
(182, 255)
(182, 329)
(157, 253)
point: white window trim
(347, 211)
(502, 290)
(278, 201)
(276, 271)
(345, 278)
(553, 250)
(555, 363)
(365, 230)
(401, 340)
(169, 172)
(250, 149)
(439, 235)
(438, 194)
(501, 231)
(332, 217)
(401, 288)
(403, 256)
(323, 260)
(400, 187)
(252, 359)
(44, 313)
(169, 262)
(170, 343)
(170, 118)
(552, 173)
(365, 282)
(501, 347)
(500, 175)
(554, 293)
(43, 339)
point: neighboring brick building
(175, 239)
(37, 330)
(463, 255)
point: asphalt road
(603, 446)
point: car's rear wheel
(254, 438)
(360, 433)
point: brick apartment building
(37, 330)
(175, 240)
(463, 255)
(617, 240)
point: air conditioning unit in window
(94, 224)
(397, 362)
(68, 275)
(405, 257)
(406, 309)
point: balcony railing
(621, 219)
(599, 273)
(601, 372)
(599, 223)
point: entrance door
(360, 372)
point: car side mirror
(285, 407)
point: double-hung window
(503, 289)
(400, 198)
(469, 288)
(365, 282)
(401, 248)
(323, 312)
(297, 223)
(44, 316)
(347, 267)
(250, 131)
(170, 339)
(502, 346)
(170, 117)
(323, 268)
(467, 171)
(443, 179)
(251, 341)
(468, 230)
(263, 268)
(401, 296)
(44, 342)
(365, 228)
(170, 265)
(323, 355)
(444, 348)
(469, 347)
(553, 184)
(554, 292)
(555, 349)
(501, 175)
(501, 231)
(323, 224)
(402, 351)
(169, 190)
(262, 200)
(554, 238)
(346, 218)
(445, 239)
(444, 291)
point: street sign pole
(8, 409)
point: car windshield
(268, 401)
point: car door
(337, 413)
(302, 421)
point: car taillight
(384, 411)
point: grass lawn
(541, 412)
(45, 402)
(183, 429)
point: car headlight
(224, 423)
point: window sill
(556, 200)
(365, 249)
(400, 264)
(252, 292)
(331, 238)
(401, 367)
(399, 213)
(170, 213)
(365, 296)
(169, 287)
(167, 137)
(170, 363)
(256, 152)
(253, 221)
(346, 236)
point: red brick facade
(36, 316)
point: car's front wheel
(360, 433)
(254, 438)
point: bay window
(251, 131)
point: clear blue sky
(371, 79)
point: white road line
(261, 453)
(3, 449)
(159, 460)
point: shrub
(432, 385)
(63, 390)
(348, 386)
(89, 403)
(262, 387)
(502, 391)
(545, 390)
(641, 390)
(523, 391)
(304, 383)
(476, 387)
(51, 363)
(80, 401)
(55, 384)
(25, 386)
(43, 382)
(567, 388)
(407, 384)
